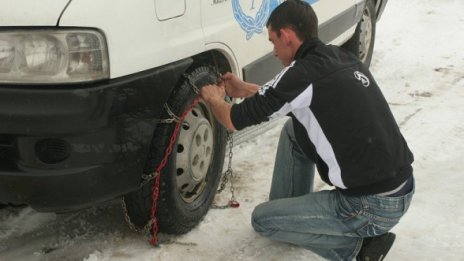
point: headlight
(52, 56)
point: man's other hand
(237, 88)
(213, 93)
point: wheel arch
(219, 58)
(222, 60)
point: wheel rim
(194, 154)
(365, 35)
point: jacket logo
(363, 78)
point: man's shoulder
(326, 59)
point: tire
(190, 179)
(362, 42)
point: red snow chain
(155, 195)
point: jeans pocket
(382, 213)
(369, 216)
(349, 207)
(372, 229)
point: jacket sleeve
(280, 96)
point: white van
(89, 91)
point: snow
(419, 64)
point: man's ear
(289, 36)
(285, 36)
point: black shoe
(376, 248)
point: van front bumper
(67, 147)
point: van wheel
(362, 42)
(190, 179)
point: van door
(239, 28)
(337, 18)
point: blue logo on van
(256, 25)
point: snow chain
(228, 175)
(153, 222)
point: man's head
(289, 25)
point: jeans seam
(356, 249)
(292, 172)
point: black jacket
(341, 119)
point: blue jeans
(327, 222)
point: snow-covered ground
(418, 62)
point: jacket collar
(307, 46)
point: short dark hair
(297, 15)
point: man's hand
(237, 88)
(214, 96)
(213, 93)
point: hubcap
(194, 154)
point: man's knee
(257, 222)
